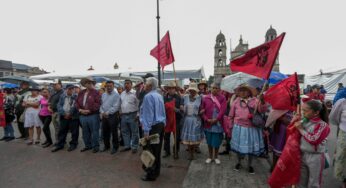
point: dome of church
(271, 31)
(220, 36)
(241, 47)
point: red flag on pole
(170, 117)
(259, 61)
(285, 94)
(163, 51)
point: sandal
(29, 142)
(37, 142)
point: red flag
(285, 94)
(170, 116)
(163, 51)
(287, 169)
(259, 61)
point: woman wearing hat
(246, 139)
(32, 110)
(214, 106)
(203, 88)
(192, 130)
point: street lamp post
(158, 41)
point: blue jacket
(73, 111)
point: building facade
(7, 68)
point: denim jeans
(129, 130)
(90, 130)
(9, 132)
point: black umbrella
(17, 80)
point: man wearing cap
(172, 96)
(68, 116)
(53, 105)
(109, 113)
(153, 119)
(315, 94)
(129, 109)
(19, 109)
(88, 105)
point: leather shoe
(85, 149)
(71, 148)
(104, 149)
(125, 149)
(4, 138)
(56, 149)
(9, 139)
(166, 155)
(134, 151)
(95, 150)
(114, 151)
(47, 145)
(147, 178)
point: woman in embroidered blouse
(213, 108)
(192, 131)
(32, 109)
(314, 130)
(246, 139)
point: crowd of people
(193, 113)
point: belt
(129, 113)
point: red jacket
(93, 101)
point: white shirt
(129, 102)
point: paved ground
(201, 175)
(33, 166)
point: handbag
(257, 119)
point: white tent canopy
(329, 80)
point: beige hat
(203, 82)
(87, 79)
(193, 86)
(252, 90)
(171, 84)
(147, 158)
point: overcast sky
(71, 35)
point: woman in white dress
(32, 109)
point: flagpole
(175, 135)
(158, 42)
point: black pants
(23, 131)
(65, 126)
(155, 149)
(46, 130)
(167, 139)
(110, 127)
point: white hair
(153, 82)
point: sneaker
(208, 161)
(251, 170)
(237, 167)
(217, 161)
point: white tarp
(328, 80)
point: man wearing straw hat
(153, 119)
(172, 95)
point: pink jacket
(208, 107)
(240, 113)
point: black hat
(316, 86)
(68, 86)
(34, 88)
(148, 75)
